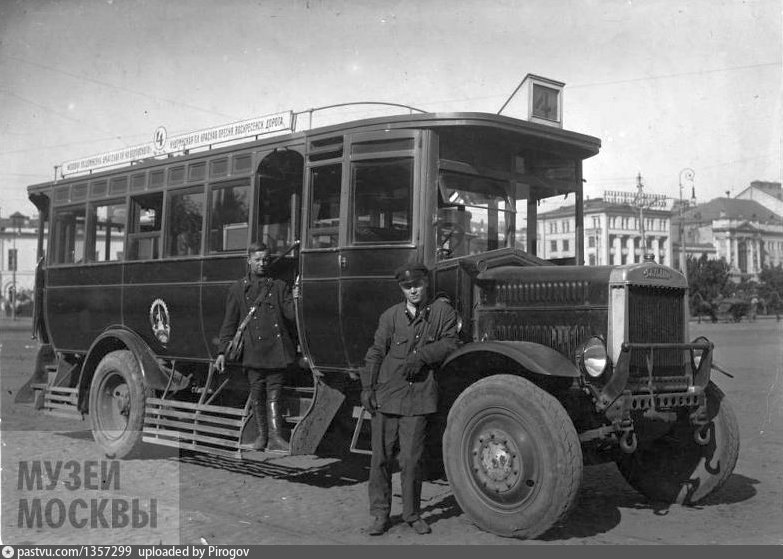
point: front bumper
(669, 391)
(654, 397)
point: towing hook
(628, 442)
(701, 435)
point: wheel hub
(122, 399)
(495, 461)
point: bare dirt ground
(272, 499)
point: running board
(192, 426)
(57, 400)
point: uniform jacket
(269, 336)
(432, 334)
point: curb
(21, 323)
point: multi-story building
(620, 228)
(768, 194)
(18, 247)
(743, 232)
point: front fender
(117, 338)
(536, 358)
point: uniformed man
(399, 390)
(269, 348)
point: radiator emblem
(657, 272)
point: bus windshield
(475, 214)
(486, 210)
(496, 188)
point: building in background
(620, 228)
(18, 247)
(741, 231)
(768, 194)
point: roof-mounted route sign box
(537, 99)
(163, 145)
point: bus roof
(582, 145)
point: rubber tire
(674, 469)
(119, 435)
(540, 429)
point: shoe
(274, 415)
(420, 527)
(259, 443)
(379, 525)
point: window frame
(91, 238)
(134, 219)
(55, 249)
(225, 183)
(168, 241)
(332, 230)
(406, 157)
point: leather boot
(276, 440)
(259, 443)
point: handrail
(309, 112)
(400, 105)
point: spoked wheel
(512, 456)
(675, 468)
(117, 400)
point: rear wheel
(512, 456)
(674, 469)
(117, 401)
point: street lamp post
(17, 220)
(687, 174)
(643, 201)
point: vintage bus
(561, 364)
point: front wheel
(674, 469)
(512, 456)
(117, 401)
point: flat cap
(411, 272)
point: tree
(707, 277)
(771, 288)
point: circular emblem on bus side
(159, 140)
(159, 320)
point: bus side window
(323, 226)
(229, 211)
(69, 235)
(279, 195)
(145, 227)
(185, 222)
(106, 232)
(382, 211)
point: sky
(667, 85)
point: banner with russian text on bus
(163, 145)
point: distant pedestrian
(399, 390)
(754, 303)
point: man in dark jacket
(269, 348)
(399, 390)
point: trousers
(261, 380)
(389, 431)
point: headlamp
(593, 359)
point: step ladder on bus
(215, 429)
